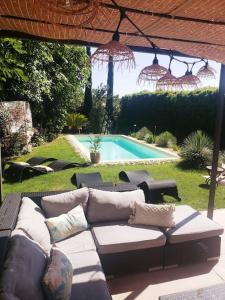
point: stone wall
(20, 117)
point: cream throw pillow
(66, 225)
(153, 214)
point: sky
(125, 81)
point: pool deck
(85, 153)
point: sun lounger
(33, 161)
(17, 173)
(89, 180)
(153, 189)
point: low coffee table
(215, 292)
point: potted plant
(94, 149)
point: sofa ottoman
(194, 238)
(123, 247)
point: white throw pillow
(153, 214)
(66, 225)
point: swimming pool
(121, 148)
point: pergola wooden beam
(26, 36)
(163, 15)
(131, 34)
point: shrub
(150, 138)
(76, 121)
(12, 143)
(37, 139)
(133, 134)
(140, 135)
(166, 139)
(196, 150)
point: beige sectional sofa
(111, 246)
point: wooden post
(217, 138)
(109, 100)
(1, 190)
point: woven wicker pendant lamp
(152, 73)
(168, 82)
(84, 11)
(206, 72)
(189, 81)
(115, 51)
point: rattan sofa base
(192, 252)
(132, 261)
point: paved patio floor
(151, 285)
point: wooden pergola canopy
(195, 28)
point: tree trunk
(88, 102)
(109, 100)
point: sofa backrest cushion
(23, 269)
(56, 205)
(32, 221)
(111, 206)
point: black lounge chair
(93, 180)
(16, 173)
(33, 161)
(153, 189)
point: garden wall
(178, 112)
(16, 127)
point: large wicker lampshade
(84, 11)
(189, 81)
(116, 52)
(168, 82)
(152, 73)
(206, 72)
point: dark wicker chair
(153, 189)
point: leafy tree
(97, 117)
(10, 63)
(57, 75)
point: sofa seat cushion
(122, 237)
(88, 278)
(82, 241)
(191, 225)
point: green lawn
(188, 181)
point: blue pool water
(115, 148)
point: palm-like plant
(76, 121)
(197, 149)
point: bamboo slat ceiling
(194, 27)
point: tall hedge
(178, 112)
